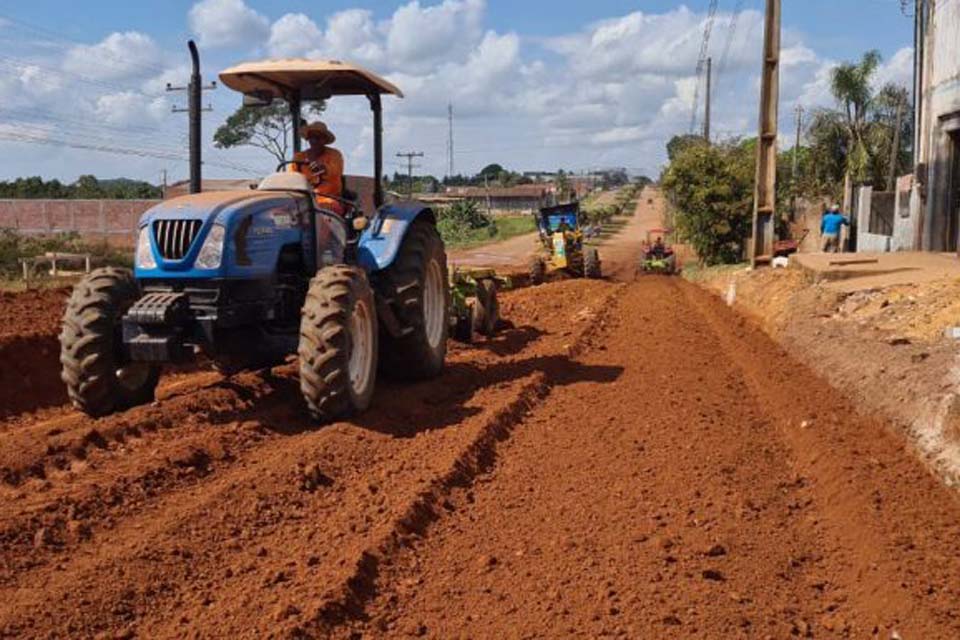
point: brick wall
(111, 220)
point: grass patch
(500, 229)
(14, 246)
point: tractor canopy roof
(311, 79)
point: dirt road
(629, 459)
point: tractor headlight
(211, 253)
(145, 259)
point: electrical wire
(702, 61)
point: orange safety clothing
(328, 181)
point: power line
(731, 35)
(702, 61)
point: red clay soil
(29, 351)
(627, 460)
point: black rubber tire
(487, 308)
(463, 327)
(538, 270)
(591, 264)
(411, 356)
(325, 346)
(91, 349)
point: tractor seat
(285, 181)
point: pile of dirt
(32, 312)
(29, 351)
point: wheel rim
(133, 376)
(361, 347)
(434, 299)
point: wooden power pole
(410, 155)
(765, 191)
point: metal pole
(295, 120)
(765, 191)
(706, 117)
(410, 155)
(195, 91)
(377, 108)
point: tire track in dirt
(676, 502)
(145, 550)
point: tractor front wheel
(418, 286)
(99, 377)
(591, 264)
(338, 344)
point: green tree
(680, 143)
(711, 191)
(268, 128)
(491, 171)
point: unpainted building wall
(940, 113)
(111, 220)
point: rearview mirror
(258, 99)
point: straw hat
(317, 129)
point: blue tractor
(247, 278)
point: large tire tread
(410, 357)
(89, 348)
(324, 348)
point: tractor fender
(381, 241)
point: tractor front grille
(174, 237)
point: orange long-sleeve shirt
(327, 182)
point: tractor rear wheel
(591, 264)
(338, 343)
(99, 378)
(419, 288)
(487, 307)
(538, 270)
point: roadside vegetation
(464, 224)
(14, 246)
(85, 187)
(710, 186)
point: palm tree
(850, 85)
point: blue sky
(536, 85)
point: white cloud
(419, 37)
(129, 108)
(897, 70)
(294, 35)
(118, 56)
(224, 23)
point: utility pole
(410, 155)
(706, 116)
(765, 191)
(163, 184)
(450, 139)
(895, 148)
(796, 146)
(194, 93)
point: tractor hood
(253, 226)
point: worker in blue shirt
(833, 221)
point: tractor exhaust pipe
(195, 91)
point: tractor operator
(322, 165)
(658, 250)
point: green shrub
(14, 246)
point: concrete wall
(906, 214)
(940, 115)
(111, 220)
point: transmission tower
(702, 61)
(450, 140)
